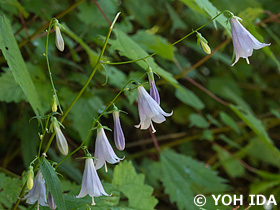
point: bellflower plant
(149, 110)
(60, 139)
(38, 192)
(103, 150)
(118, 132)
(91, 183)
(243, 41)
(153, 89)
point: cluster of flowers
(149, 111)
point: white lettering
(259, 200)
(252, 203)
(240, 199)
(229, 200)
(216, 199)
(271, 200)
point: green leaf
(254, 123)
(132, 185)
(10, 90)
(229, 122)
(177, 23)
(231, 165)
(130, 49)
(268, 153)
(84, 112)
(154, 43)
(183, 177)
(53, 183)
(9, 190)
(213, 11)
(198, 121)
(189, 98)
(16, 63)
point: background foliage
(222, 138)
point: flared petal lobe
(104, 151)
(38, 191)
(118, 132)
(149, 110)
(91, 183)
(243, 41)
(60, 140)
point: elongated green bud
(201, 41)
(30, 177)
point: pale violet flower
(91, 183)
(118, 132)
(243, 41)
(51, 202)
(153, 89)
(38, 192)
(60, 139)
(104, 151)
(58, 38)
(149, 110)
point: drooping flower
(243, 41)
(38, 191)
(104, 151)
(118, 132)
(153, 89)
(91, 183)
(51, 202)
(60, 139)
(149, 110)
(58, 38)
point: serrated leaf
(189, 98)
(10, 90)
(9, 190)
(16, 63)
(132, 185)
(53, 183)
(183, 177)
(130, 49)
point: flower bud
(58, 38)
(30, 176)
(51, 202)
(203, 42)
(54, 105)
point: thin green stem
(93, 125)
(43, 136)
(48, 64)
(155, 53)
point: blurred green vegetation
(222, 138)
